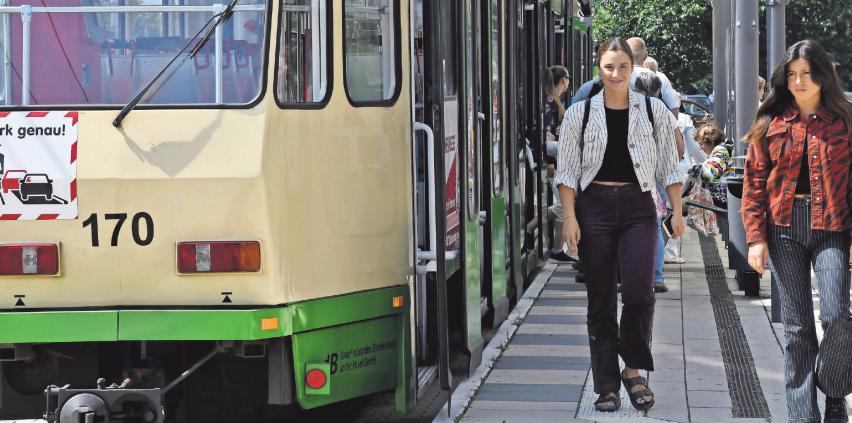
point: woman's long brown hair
(554, 77)
(780, 98)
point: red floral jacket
(772, 170)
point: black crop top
(617, 165)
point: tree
(679, 34)
(830, 23)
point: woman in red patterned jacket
(796, 210)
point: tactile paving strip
(743, 384)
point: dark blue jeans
(618, 237)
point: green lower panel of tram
(363, 339)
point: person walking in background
(651, 64)
(610, 157)
(556, 84)
(649, 84)
(668, 94)
(717, 165)
(796, 211)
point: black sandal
(608, 402)
(629, 383)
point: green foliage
(830, 23)
(679, 34)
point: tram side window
(370, 48)
(303, 48)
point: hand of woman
(758, 256)
(677, 225)
(571, 234)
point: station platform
(718, 357)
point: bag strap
(650, 112)
(587, 107)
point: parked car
(36, 184)
(698, 109)
(702, 99)
(12, 180)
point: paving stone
(560, 302)
(529, 392)
(525, 405)
(543, 377)
(712, 415)
(555, 319)
(566, 286)
(550, 310)
(534, 328)
(548, 350)
(667, 375)
(707, 345)
(714, 399)
(518, 416)
(543, 363)
(549, 339)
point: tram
(271, 204)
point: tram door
(438, 104)
(489, 111)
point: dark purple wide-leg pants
(618, 236)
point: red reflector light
(29, 259)
(315, 379)
(220, 256)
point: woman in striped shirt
(610, 161)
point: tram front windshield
(102, 52)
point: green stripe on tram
(57, 326)
(198, 324)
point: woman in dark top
(557, 82)
(614, 166)
(796, 211)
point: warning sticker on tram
(38, 165)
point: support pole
(775, 38)
(776, 46)
(721, 49)
(745, 108)
(26, 19)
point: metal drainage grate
(743, 384)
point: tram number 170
(139, 219)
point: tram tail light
(220, 256)
(29, 259)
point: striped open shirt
(653, 150)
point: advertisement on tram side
(38, 165)
(451, 172)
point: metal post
(777, 45)
(7, 57)
(26, 19)
(219, 9)
(721, 35)
(775, 37)
(745, 85)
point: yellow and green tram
(302, 202)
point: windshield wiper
(222, 17)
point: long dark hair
(555, 74)
(780, 98)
